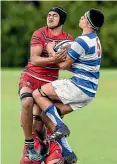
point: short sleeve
(78, 47)
(37, 39)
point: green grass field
(93, 128)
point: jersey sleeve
(37, 39)
(78, 48)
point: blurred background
(21, 18)
(93, 129)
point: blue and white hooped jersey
(86, 52)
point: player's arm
(37, 60)
(50, 48)
(78, 47)
(36, 49)
(67, 63)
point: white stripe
(38, 77)
(56, 113)
(52, 118)
(87, 67)
(65, 144)
(90, 42)
(95, 81)
(29, 142)
(89, 21)
(89, 57)
(77, 48)
(85, 39)
(52, 68)
(61, 9)
(59, 145)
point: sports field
(93, 128)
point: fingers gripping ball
(66, 44)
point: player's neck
(56, 31)
(87, 30)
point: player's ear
(89, 25)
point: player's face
(52, 19)
(83, 22)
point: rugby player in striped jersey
(40, 70)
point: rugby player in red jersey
(40, 70)
(51, 153)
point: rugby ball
(57, 48)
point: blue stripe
(48, 109)
(82, 44)
(86, 73)
(65, 151)
(91, 35)
(90, 62)
(90, 94)
(73, 54)
(84, 83)
(91, 50)
(87, 92)
(56, 49)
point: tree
(21, 18)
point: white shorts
(70, 94)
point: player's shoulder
(43, 29)
(89, 36)
(83, 37)
(40, 31)
(68, 36)
(83, 40)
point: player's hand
(66, 47)
(50, 45)
(50, 48)
(60, 56)
(63, 52)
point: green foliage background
(19, 19)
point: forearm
(51, 51)
(42, 61)
(64, 65)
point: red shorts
(55, 152)
(30, 82)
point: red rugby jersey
(41, 37)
